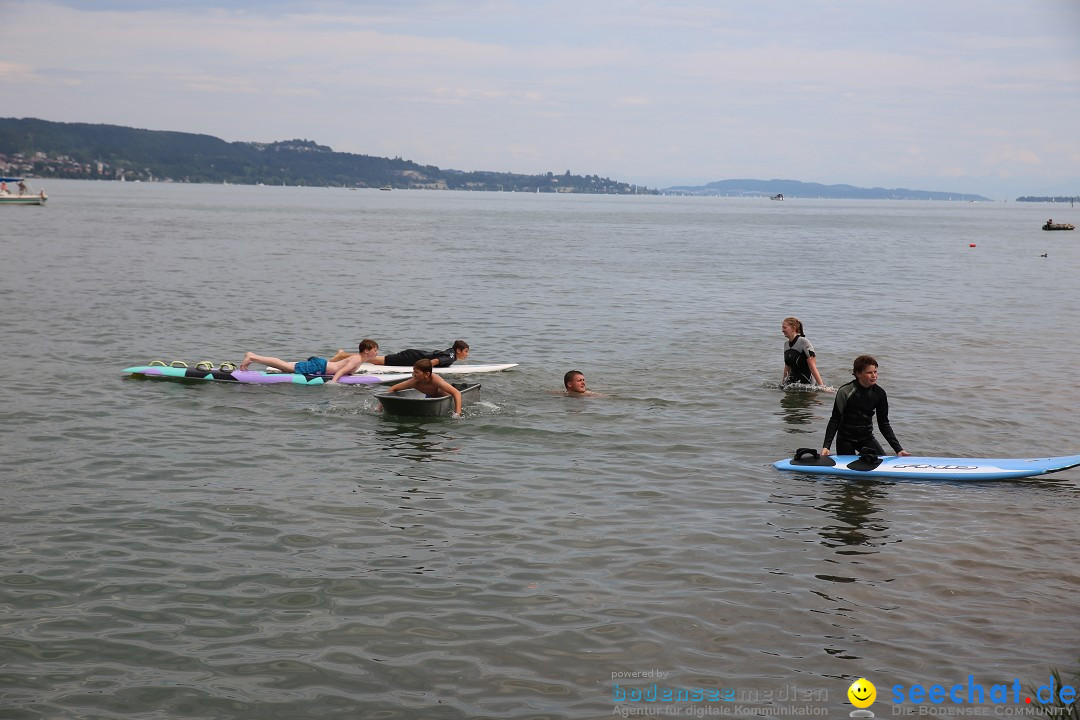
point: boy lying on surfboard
(314, 365)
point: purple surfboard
(254, 376)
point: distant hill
(41, 148)
(1072, 200)
(795, 188)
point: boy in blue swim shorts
(312, 366)
(315, 365)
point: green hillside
(41, 148)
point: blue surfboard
(926, 468)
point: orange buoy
(971, 245)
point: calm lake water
(219, 551)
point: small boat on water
(386, 187)
(1051, 225)
(777, 196)
(414, 403)
(21, 194)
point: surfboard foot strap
(815, 458)
(868, 460)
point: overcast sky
(978, 96)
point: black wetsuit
(852, 420)
(406, 358)
(797, 354)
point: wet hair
(570, 376)
(862, 362)
(423, 365)
(460, 345)
(795, 323)
(368, 344)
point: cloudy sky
(975, 96)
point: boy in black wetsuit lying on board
(406, 358)
(853, 413)
(315, 365)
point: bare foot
(246, 361)
(341, 355)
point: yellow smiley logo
(862, 693)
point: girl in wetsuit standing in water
(800, 361)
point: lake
(176, 550)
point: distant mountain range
(795, 188)
(41, 148)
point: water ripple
(220, 551)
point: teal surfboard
(925, 468)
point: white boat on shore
(18, 193)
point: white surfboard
(455, 369)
